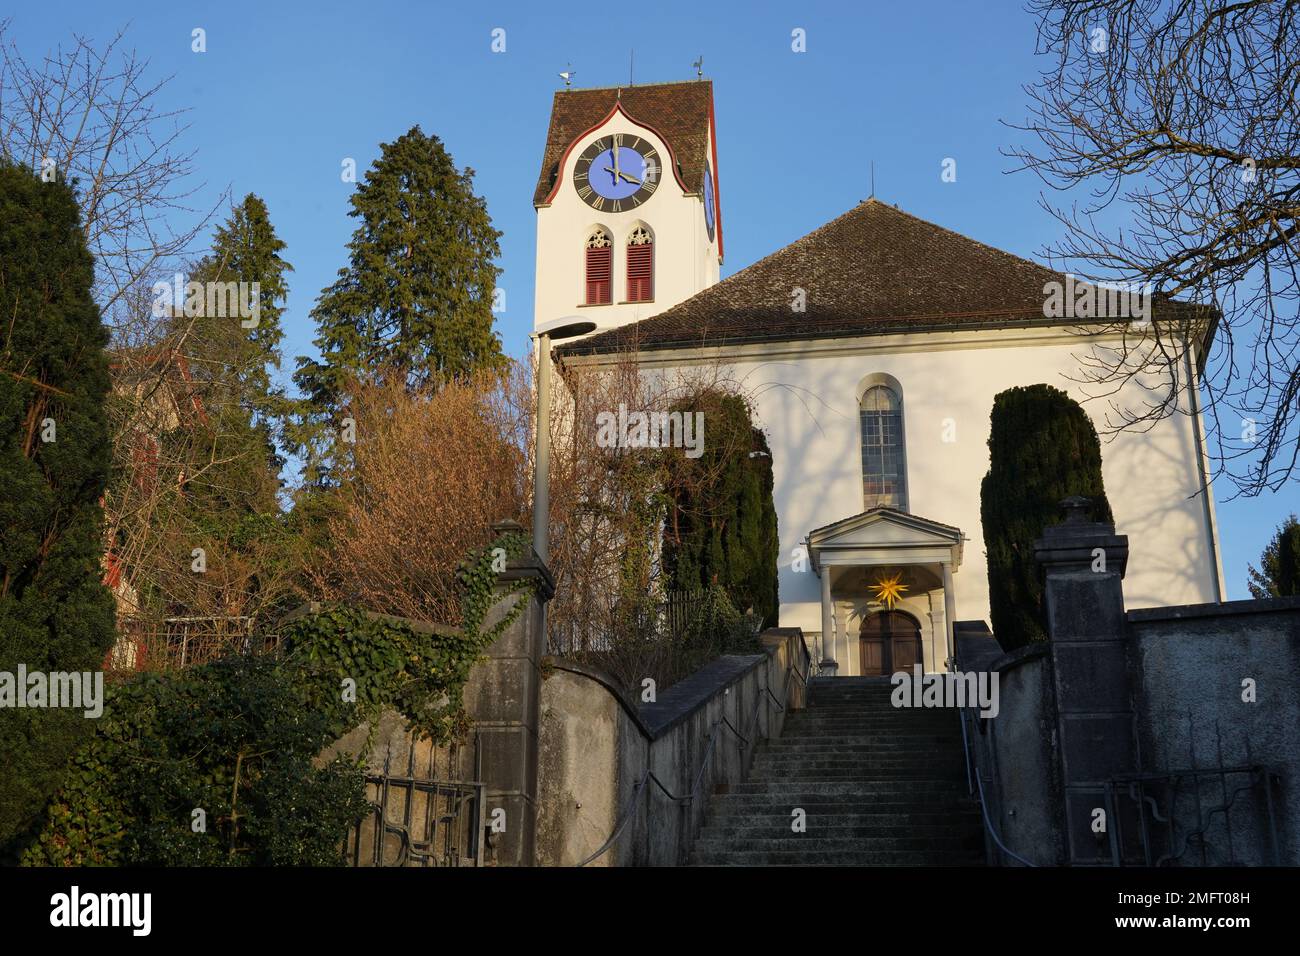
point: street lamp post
(546, 333)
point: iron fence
(419, 821)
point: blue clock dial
(709, 204)
(617, 173)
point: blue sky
(286, 91)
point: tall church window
(884, 461)
(640, 266)
(600, 267)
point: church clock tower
(628, 213)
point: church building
(875, 346)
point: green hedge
(1042, 448)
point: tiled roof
(873, 270)
(678, 111)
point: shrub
(1042, 448)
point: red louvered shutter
(641, 272)
(600, 276)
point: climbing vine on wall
(218, 764)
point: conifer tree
(1042, 448)
(416, 294)
(232, 357)
(1278, 574)
(55, 612)
(721, 526)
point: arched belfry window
(600, 267)
(884, 460)
(640, 265)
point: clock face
(709, 211)
(617, 173)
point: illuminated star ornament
(890, 590)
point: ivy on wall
(217, 764)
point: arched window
(600, 267)
(884, 462)
(640, 266)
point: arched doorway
(890, 641)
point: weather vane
(568, 76)
(699, 67)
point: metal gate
(419, 821)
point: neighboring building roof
(872, 271)
(679, 112)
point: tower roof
(872, 271)
(679, 112)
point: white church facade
(874, 346)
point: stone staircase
(881, 786)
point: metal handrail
(649, 776)
(972, 772)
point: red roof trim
(717, 190)
(618, 108)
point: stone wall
(1194, 668)
(608, 763)
(1120, 707)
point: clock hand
(621, 175)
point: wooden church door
(890, 641)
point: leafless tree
(1175, 124)
(94, 117)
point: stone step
(890, 723)
(836, 858)
(808, 843)
(880, 741)
(798, 792)
(832, 829)
(796, 758)
(856, 773)
(853, 801)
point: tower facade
(628, 212)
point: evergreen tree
(1279, 572)
(1042, 448)
(232, 356)
(231, 359)
(55, 613)
(229, 503)
(721, 526)
(416, 294)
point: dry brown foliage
(430, 471)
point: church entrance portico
(887, 599)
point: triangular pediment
(883, 534)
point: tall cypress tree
(1042, 448)
(721, 525)
(416, 294)
(55, 612)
